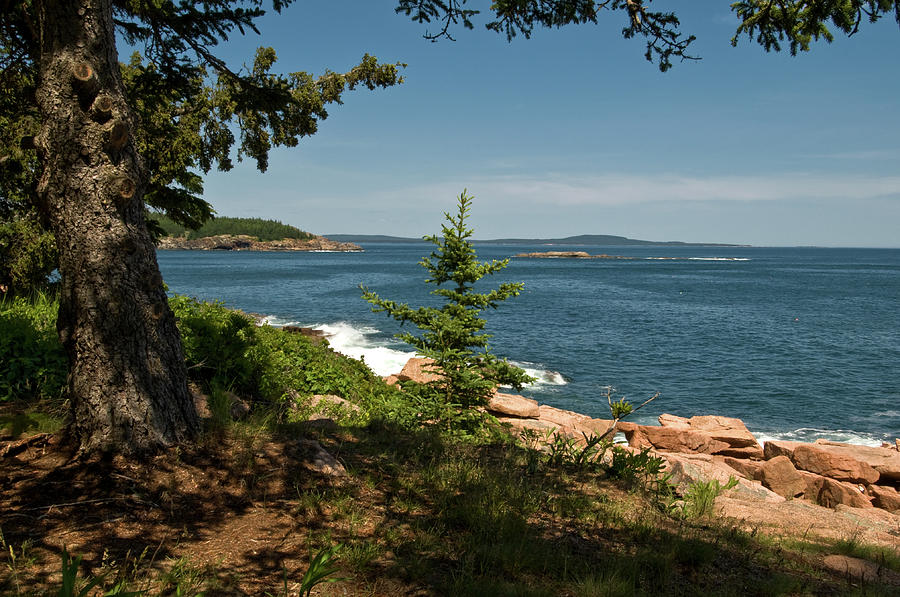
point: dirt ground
(243, 511)
(231, 511)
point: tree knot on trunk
(85, 80)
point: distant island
(569, 255)
(591, 240)
(241, 234)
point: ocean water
(800, 343)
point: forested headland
(263, 230)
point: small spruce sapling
(453, 335)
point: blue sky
(573, 132)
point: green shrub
(225, 349)
(700, 497)
(216, 341)
(32, 361)
(27, 255)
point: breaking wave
(810, 434)
(386, 358)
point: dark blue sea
(800, 343)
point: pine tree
(453, 335)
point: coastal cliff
(243, 242)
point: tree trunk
(127, 378)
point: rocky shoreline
(243, 242)
(834, 489)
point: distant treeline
(264, 230)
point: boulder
(814, 485)
(514, 406)
(420, 370)
(779, 475)
(541, 427)
(391, 380)
(667, 420)
(574, 424)
(806, 520)
(672, 439)
(755, 452)
(727, 429)
(686, 469)
(775, 448)
(833, 464)
(627, 427)
(856, 569)
(883, 460)
(749, 469)
(705, 434)
(838, 492)
(316, 458)
(886, 498)
(598, 427)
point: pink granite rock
(541, 427)
(515, 406)
(667, 420)
(749, 469)
(775, 448)
(838, 466)
(883, 460)
(672, 439)
(575, 424)
(686, 469)
(779, 475)
(886, 498)
(838, 492)
(727, 429)
(420, 370)
(814, 485)
(729, 436)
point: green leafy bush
(216, 341)
(225, 348)
(27, 254)
(700, 497)
(32, 361)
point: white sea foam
(809, 434)
(355, 342)
(276, 321)
(696, 259)
(543, 377)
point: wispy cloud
(624, 189)
(872, 155)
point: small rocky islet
(568, 255)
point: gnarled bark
(127, 379)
